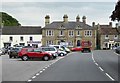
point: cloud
(58, 1)
(33, 13)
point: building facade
(21, 35)
(70, 32)
(109, 36)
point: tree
(116, 14)
(8, 20)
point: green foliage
(8, 20)
(116, 13)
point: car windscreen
(16, 49)
(37, 50)
(52, 49)
(45, 49)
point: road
(0, 69)
(108, 60)
(101, 65)
(75, 67)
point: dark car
(117, 50)
(13, 52)
(27, 53)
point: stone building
(108, 36)
(69, 32)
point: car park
(28, 53)
(13, 52)
(52, 50)
(117, 50)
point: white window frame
(49, 42)
(10, 38)
(60, 33)
(115, 36)
(21, 38)
(49, 33)
(71, 33)
(78, 32)
(88, 33)
(106, 36)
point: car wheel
(46, 58)
(61, 54)
(10, 56)
(25, 58)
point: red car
(27, 53)
(76, 49)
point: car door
(38, 53)
(31, 53)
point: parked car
(0, 52)
(28, 53)
(5, 50)
(51, 50)
(117, 50)
(61, 52)
(13, 52)
(60, 46)
(77, 49)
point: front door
(78, 43)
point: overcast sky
(33, 12)
(58, 0)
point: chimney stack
(78, 18)
(84, 19)
(47, 20)
(65, 18)
(110, 24)
(93, 24)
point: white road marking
(109, 76)
(96, 64)
(29, 80)
(41, 71)
(37, 74)
(46, 67)
(101, 68)
(33, 77)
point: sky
(33, 12)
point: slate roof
(69, 25)
(109, 31)
(21, 30)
